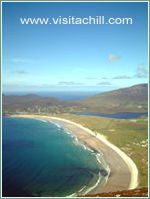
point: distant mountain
(134, 98)
(35, 103)
(14, 99)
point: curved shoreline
(124, 173)
(131, 165)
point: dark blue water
(62, 95)
(116, 115)
(42, 159)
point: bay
(40, 158)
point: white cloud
(113, 58)
(122, 77)
(20, 60)
(104, 83)
(105, 78)
(91, 78)
(68, 83)
(21, 72)
(141, 71)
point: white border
(48, 1)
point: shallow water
(43, 159)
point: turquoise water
(42, 159)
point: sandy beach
(123, 171)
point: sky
(73, 57)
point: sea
(43, 159)
(61, 95)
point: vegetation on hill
(36, 104)
(132, 99)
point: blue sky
(74, 57)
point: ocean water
(130, 115)
(62, 95)
(40, 158)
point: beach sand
(123, 171)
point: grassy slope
(131, 99)
(129, 135)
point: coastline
(123, 171)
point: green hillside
(132, 99)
